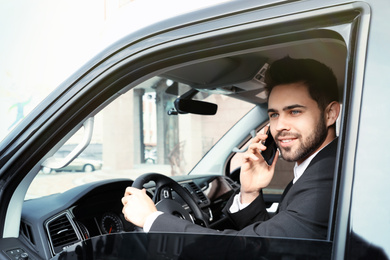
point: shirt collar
(300, 169)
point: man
(303, 108)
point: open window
(142, 123)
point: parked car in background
(79, 164)
(193, 86)
(88, 161)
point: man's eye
(295, 112)
(273, 115)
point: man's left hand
(137, 206)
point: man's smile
(286, 142)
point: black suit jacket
(303, 211)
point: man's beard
(307, 146)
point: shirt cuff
(150, 220)
(237, 205)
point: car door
(326, 31)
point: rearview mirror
(184, 106)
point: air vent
(196, 190)
(26, 231)
(61, 232)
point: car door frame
(132, 60)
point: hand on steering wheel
(163, 197)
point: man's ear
(332, 112)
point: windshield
(138, 133)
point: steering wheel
(164, 202)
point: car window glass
(134, 135)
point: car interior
(205, 111)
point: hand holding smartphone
(269, 153)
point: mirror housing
(184, 106)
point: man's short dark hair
(320, 79)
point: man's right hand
(255, 172)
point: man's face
(297, 124)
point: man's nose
(282, 124)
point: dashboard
(52, 223)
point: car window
(139, 133)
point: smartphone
(269, 153)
